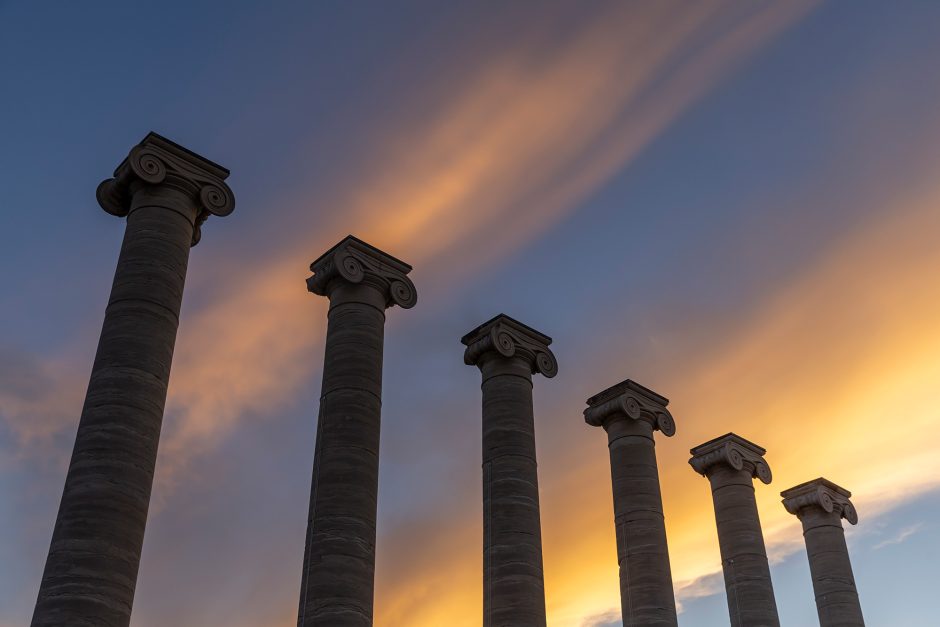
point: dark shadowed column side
(630, 413)
(821, 505)
(508, 353)
(730, 463)
(339, 557)
(91, 571)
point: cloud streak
(527, 137)
(494, 163)
(38, 399)
(524, 140)
(900, 536)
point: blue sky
(735, 204)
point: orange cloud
(35, 399)
(525, 138)
(511, 150)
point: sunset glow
(735, 204)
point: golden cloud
(525, 139)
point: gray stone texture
(337, 585)
(821, 505)
(165, 192)
(630, 413)
(508, 353)
(730, 463)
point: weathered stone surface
(821, 505)
(730, 463)
(337, 585)
(508, 353)
(629, 414)
(91, 571)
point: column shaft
(750, 592)
(339, 558)
(508, 353)
(833, 582)
(91, 570)
(514, 589)
(646, 591)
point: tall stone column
(508, 353)
(821, 505)
(165, 192)
(339, 556)
(730, 463)
(630, 413)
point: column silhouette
(630, 413)
(730, 463)
(821, 505)
(508, 353)
(166, 192)
(338, 577)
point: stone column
(508, 353)
(730, 463)
(821, 505)
(630, 413)
(339, 557)
(166, 192)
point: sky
(733, 203)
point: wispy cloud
(525, 138)
(515, 147)
(38, 399)
(703, 586)
(902, 535)
(606, 619)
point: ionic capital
(629, 399)
(733, 451)
(352, 261)
(509, 338)
(157, 161)
(823, 494)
